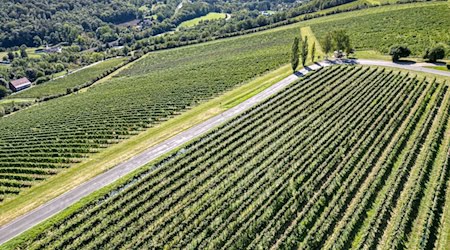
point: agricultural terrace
(340, 158)
(418, 28)
(208, 17)
(59, 86)
(46, 139)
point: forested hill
(35, 23)
(90, 23)
(22, 21)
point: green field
(60, 85)
(208, 17)
(344, 148)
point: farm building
(19, 84)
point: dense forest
(31, 22)
(34, 23)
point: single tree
(31, 74)
(341, 39)
(37, 41)
(11, 56)
(294, 54)
(126, 50)
(328, 43)
(427, 53)
(4, 91)
(23, 53)
(435, 53)
(304, 52)
(348, 46)
(398, 51)
(313, 51)
(3, 82)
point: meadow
(208, 17)
(348, 156)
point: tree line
(432, 54)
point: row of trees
(300, 51)
(336, 40)
(431, 54)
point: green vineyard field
(60, 86)
(418, 28)
(48, 138)
(349, 156)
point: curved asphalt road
(58, 204)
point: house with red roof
(19, 84)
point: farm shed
(19, 84)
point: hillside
(46, 139)
(417, 28)
(342, 141)
(346, 157)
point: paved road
(409, 66)
(56, 205)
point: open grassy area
(371, 54)
(195, 21)
(312, 40)
(60, 85)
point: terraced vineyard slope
(46, 139)
(418, 27)
(341, 158)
